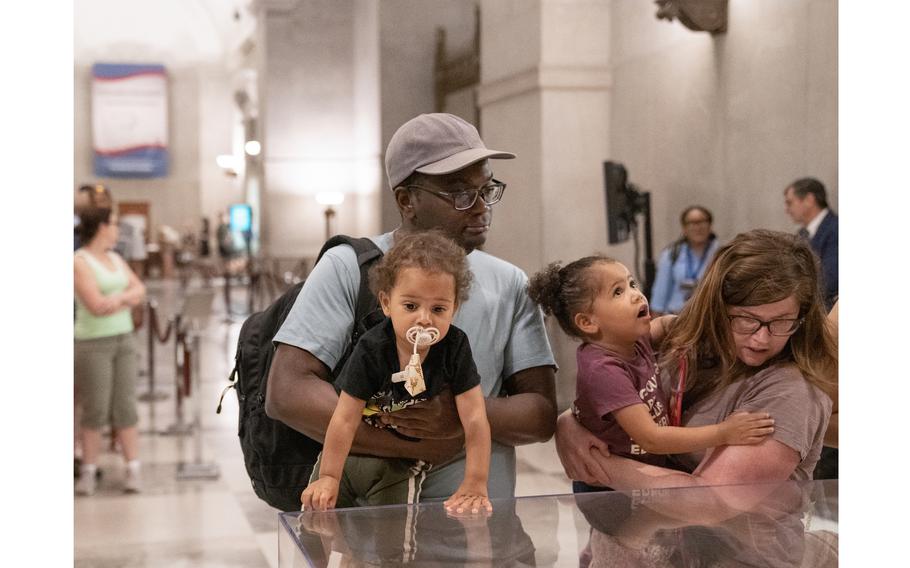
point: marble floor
(206, 523)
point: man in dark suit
(807, 204)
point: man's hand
(583, 455)
(301, 395)
(433, 419)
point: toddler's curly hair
(431, 251)
(563, 291)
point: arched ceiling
(169, 31)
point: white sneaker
(133, 481)
(85, 485)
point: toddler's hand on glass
(465, 503)
(319, 495)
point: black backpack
(278, 458)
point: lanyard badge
(677, 394)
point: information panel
(129, 120)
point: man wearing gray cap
(439, 170)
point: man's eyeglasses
(745, 325)
(463, 200)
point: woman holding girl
(105, 355)
(618, 395)
(753, 337)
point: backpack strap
(365, 310)
(367, 252)
(365, 248)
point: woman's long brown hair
(755, 268)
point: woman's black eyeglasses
(745, 325)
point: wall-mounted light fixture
(697, 15)
(228, 163)
(252, 147)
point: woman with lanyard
(683, 263)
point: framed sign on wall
(129, 120)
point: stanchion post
(180, 427)
(227, 294)
(253, 278)
(194, 389)
(151, 364)
(248, 241)
(152, 395)
(151, 345)
(198, 469)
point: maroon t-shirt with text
(606, 383)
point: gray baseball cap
(435, 144)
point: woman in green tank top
(104, 354)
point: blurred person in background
(233, 256)
(204, 235)
(105, 364)
(131, 239)
(87, 195)
(225, 238)
(131, 242)
(684, 261)
(806, 202)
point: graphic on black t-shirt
(384, 401)
(368, 373)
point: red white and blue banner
(129, 120)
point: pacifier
(412, 375)
(419, 335)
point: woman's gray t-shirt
(800, 411)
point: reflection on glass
(767, 525)
(413, 534)
(786, 524)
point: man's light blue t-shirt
(505, 328)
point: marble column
(319, 96)
(545, 95)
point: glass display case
(773, 524)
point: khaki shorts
(368, 481)
(105, 370)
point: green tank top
(90, 326)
